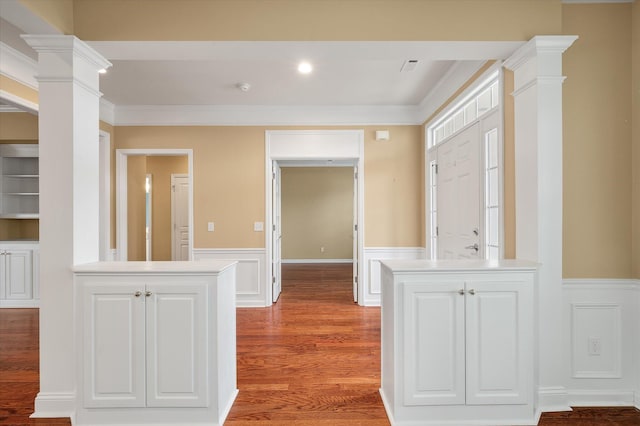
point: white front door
(179, 217)
(459, 193)
(276, 232)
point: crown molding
(53, 43)
(18, 66)
(107, 112)
(263, 115)
(539, 45)
(20, 103)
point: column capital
(538, 46)
(69, 44)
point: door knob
(473, 247)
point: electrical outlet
(595, 346)
(321, 249)
(210, 226)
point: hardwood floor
(311, 359)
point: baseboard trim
(553, 399)
(602, 398)
(54, 405)
(637, 399)
(33, 303)
(317, 260)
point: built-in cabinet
(156, 342)
(457, 342)
(19, 181)
(19, 283)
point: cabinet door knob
(137, 293)
(461, 292)
(472, 292)
(147, 293)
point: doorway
(305, 148)
(133, 166)
(314, 205)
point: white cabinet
(15, 270)
(457, 342)
(19, 181)
(156, 342)
(18, 275)
(145, 344)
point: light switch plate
(258, 226)
(210, 226)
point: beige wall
(18, 127)
(136, 174)
(597, 136)
(58, 13)
(229, 185)
(509, 168)
(317, 212)
(635, 94)
(160, 168)
(315, 19)
(18, 89)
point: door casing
(313, 146)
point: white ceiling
(353, 76)
(344, 74)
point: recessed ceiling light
(304, 67)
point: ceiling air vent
(409, 65)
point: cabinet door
(177, 345)
(113, 345)
(18, 280)
(433, 332)
(499, 332)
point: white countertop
(192, 267)
(458, 265)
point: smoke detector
(243, 86)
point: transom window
(469, 110)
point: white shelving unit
(19, 181)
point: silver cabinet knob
(137, 293)
(472, 292)
(461, 292)
(147, 293)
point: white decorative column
(537, 95)
(69, 231)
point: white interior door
(459, 194)
(355, 234)
(179, 217)
(276, 236)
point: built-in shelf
(19, 181)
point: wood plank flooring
(311, 359)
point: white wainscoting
(251, 290)
(372, 258)
(602, 341)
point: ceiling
(354, 75)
